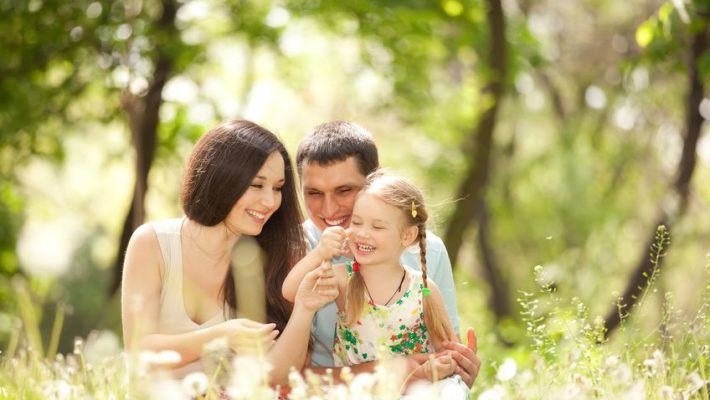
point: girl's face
(261, 199)
(378, 232)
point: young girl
(383, 304)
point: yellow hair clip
(414, 210)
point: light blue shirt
(438, 270)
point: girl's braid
(422, 250)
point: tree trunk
(143, 119)
(498, 297)
(480, 145)
(679, 198)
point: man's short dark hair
(335, 141)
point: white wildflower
(665, 392)
(636, 392)
(101, 345)
(495, 393)
(166, 389)
(149, 360)
(622, 373)
(611, 361)
(217, 345)
(651, 365)
(452, 390)
(507, 370)
(299, 389)
(361, 386)
(582, 381)
(337, 392)
(250, 378)
(695, 382)
(59, 389)
(167, 357)
(660, 359)
(195, 384)
(525, 378)
(569, 391)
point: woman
(178, 290)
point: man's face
(330, 190)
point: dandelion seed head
(423, 390)
(695, 381)
(665, 392)
(250, 378)
(101, 345)
(295, 379)
(507, 370)
(59, 389)
(167, 357)
(166, 389)
(78, 345)
(217, 345)
(637, 391)
(453, 392)
(497, 392)
(622, 373)
(362, 384)
(611, 361)
(525, 377)
(195, 384)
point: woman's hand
(438, 367)
(247, 336)
(468, 363)
(318, 288)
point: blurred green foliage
(586, 145)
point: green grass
(560, 353)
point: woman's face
(261, 199)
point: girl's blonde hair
(404, 195)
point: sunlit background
(587, 105)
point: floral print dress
(397, 328)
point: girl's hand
(247, 336)
(318, 288)
(332, 243)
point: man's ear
(409, 235)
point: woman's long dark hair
(220, 169)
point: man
(333, 162)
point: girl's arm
(329, 246)
(140, 308)
(291, 348)
(341, 277)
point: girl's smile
(376, 227)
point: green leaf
(645, 33)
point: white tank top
(173, 317)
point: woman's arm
(291, 348)
(140, 301)
(330, 245)
(140, 307)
